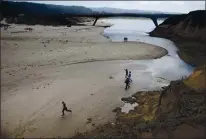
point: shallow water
(166, 68)
(127, 107)
(76, 83)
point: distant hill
(9, 8)
(43, 14)
(118, 10)
(47, 14)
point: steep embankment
(183, 101)
(179, 110)
(188, 31)
(181, 105)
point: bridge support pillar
(155, 21)
(95, 21)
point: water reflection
(127, 107)
(169, 67)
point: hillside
(188, 31)
(191, 26)
(9, 8)
(118, 10)
(46, 14)
(43, 14)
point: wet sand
(41, 68)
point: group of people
(128, 78)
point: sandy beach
(42, 68)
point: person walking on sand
(127, 81)
(129, 76)
(65, 108)
(126, 70)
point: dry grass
(198, 79)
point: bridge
(97, 16)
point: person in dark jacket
(65, 108)
(129, 76)
(127, 81)
(126, 70)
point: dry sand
(41, 68)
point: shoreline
(140, 122)
(40, 77)
(89, 44)
(168, 113)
